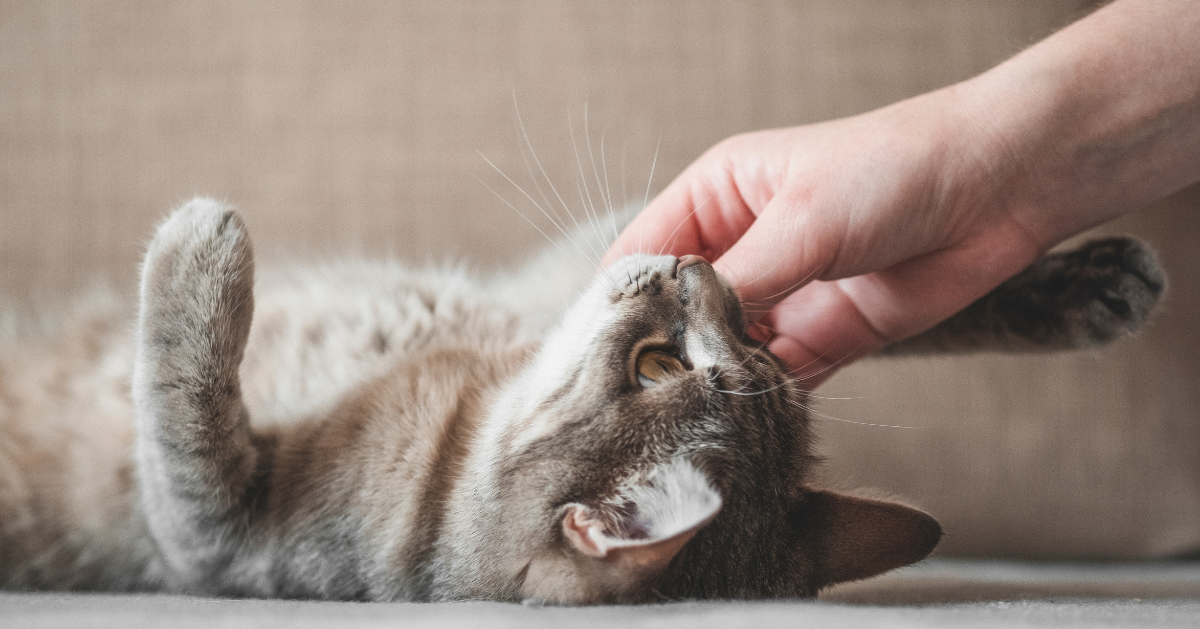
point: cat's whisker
(624, 175)
(542, 193)
(569, 239)
(612, 217)
(585, 194)
(815, 360)
(755, 351)
(783, 292)
(528, 220)
(740, 372)
(752, 393)
(671, 237)
(833, 399)
(602, 188)
(535, 203)
(596, 255)
(813, 412)
(829, 366)
(646, 199)
(765, 273)
(545, 176)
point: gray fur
(1077, 299)
(370, 432)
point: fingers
(702, 212)
(819, 329)
(827, 325)
(668, 225)
(784, 249)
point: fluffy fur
(366, 431)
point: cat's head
(655, 450)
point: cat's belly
(320, 333)
(69, 514)
(67, 489)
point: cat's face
(657, 450)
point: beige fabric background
(357, 126)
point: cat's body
(381, 433)
(70, 516)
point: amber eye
(654, 367)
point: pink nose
(689, 260)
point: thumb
(788, 246)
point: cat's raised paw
(202, 226)
(199, 272)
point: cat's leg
(196, 461)
(1077, 299)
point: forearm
(1096, 120)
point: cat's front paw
(198, 276)
(1103, 290)
(195, 457)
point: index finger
(691, 216)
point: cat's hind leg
(1081, 298)
(196, 459)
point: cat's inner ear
(853, 538)
(647, 524)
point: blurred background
(363, 127)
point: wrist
(1097, 120)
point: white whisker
(649, 181)
(549, 182)
(612, 218)
(535, 203)
(522, 215)
(685, 219)
(830, 365)
(587, 138)
(624, 176)
(538, 186)
(785, 291)
(750, 393)
(813, 412)
(585, 194)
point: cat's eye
(654, 366)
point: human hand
(844, 236)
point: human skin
(843, 236)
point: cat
(382, 433)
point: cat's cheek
(553, 577)
(567, 578)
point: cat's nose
(688, 260)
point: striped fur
(366, 431)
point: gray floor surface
(932, 594)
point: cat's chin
(619, 577)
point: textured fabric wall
(359, 127)
(336, 125)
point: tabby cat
(382, 433)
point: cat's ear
(656, 520)
(851, 538)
